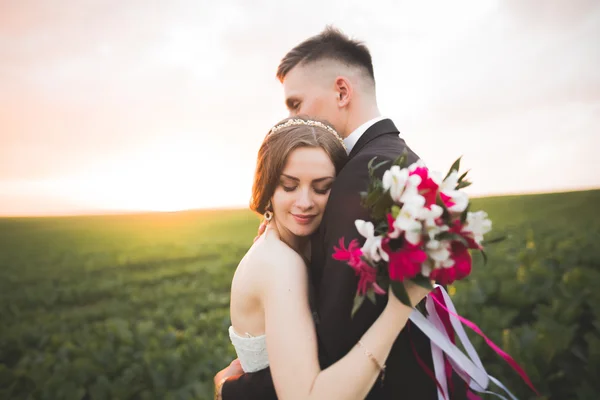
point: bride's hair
(276, 147)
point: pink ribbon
(422, 363)
(497, 349)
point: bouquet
(422, 229)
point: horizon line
(122, 212)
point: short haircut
(330, 44)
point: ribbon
(497, 349)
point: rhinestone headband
(296, 122)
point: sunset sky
(147, 105)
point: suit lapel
(379, 128)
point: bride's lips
(304, 219)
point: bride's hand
(416, 293)
(235, 368)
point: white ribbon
(469, 369)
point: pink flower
(353, 257)
(427, 188)
(443, 276)
(350, 255)
(366, 279)
(462, 260)
(461, 268)
(447, 200)
(406, 262)
(459, 228)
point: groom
(330, 77)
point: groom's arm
(250, 386)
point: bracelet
(372, 357)
(218, 388)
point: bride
(272, 324)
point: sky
(146, 105)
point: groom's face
(307, 92)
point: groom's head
(330, 76)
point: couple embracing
(291, 302)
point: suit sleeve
(250, 386)
(338, 331)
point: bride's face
(300, 198)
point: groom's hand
(234, 369)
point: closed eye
(292, 104)
(322, 190)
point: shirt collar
(351, 140)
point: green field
(136, 306)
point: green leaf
(446, 213)
(455, 166)
(463, 176)
(395, 211)
(463, 216)
(463, 184)
(371, 296)
(495, 240)
(400, 292)
(485, 258)
(422, 281)
(380, 164)
(401, 160)
(451, 236)
(358, 300)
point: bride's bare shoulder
(273, 256)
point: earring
(268, 215)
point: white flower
(449, 184)
(372, 247)
(436, 177)
(407, 222)
(479, 224)
(459, 198)
(394, 180)
(430, 215)
(415, 165)
(426, 268)
(438, 251)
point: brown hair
(274, 152)
(330, 44)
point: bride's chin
(304, 231)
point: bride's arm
(292, 343)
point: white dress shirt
(351, 140)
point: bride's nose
(304, 200)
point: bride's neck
(297, 243)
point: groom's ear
(344, 90)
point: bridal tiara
(308, 122)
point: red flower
(460, 269)
(457, 227)
(405, 262)
(462, 260)
(351, 254)
(427, 188)
(447, 200)
(443, 276)
(353, 257)
(366, 279)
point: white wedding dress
(251, 350)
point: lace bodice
(251, 350)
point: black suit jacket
(335, 284)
